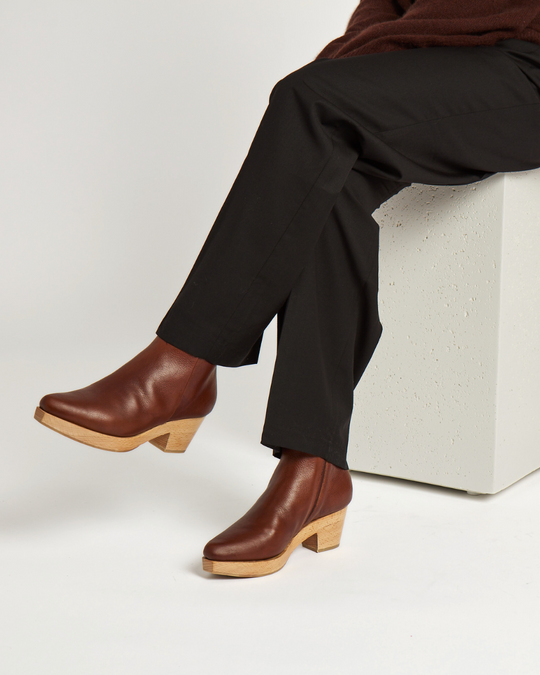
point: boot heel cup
(169, 437)
(326, 530)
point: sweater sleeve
(368, 13)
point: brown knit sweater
(390, 25)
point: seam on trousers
(433, 119)
(332, 389)
(447, 117)
(272, 251)
(379, 134)
(292, 219)
(220, 353)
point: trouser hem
(311, 445)
(195, 344)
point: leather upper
(302, 489)
(160, 384)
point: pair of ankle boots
(162, 396)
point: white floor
(100, 566)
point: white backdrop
(122, 127)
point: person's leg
(266, 229)
(263, 236)
(328, 328)
(298, 164)
(328, 325)
(442, 115)
(436, 116)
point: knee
(298, 78)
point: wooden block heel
(323, 534)
(327, 537)
(178, 437)
(169, 437)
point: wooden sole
(323, 534)
(169, 437)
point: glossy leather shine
(303, 488)
(161, 384)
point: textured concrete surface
(459, 301)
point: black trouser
(295, 236)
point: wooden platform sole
(323, 534)
(169, 437)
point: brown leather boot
(162, 395)
(305, 503)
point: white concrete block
(451, 395)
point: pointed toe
(54, 404)
(67, 406)
(216, 550)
